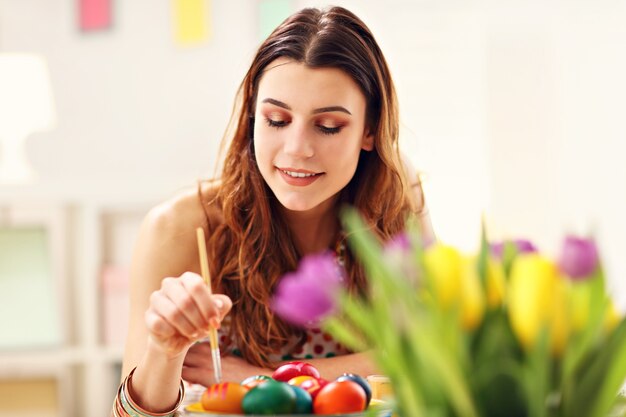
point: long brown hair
(253, 247)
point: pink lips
(298, 181)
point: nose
(298, 143)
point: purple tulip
(522, 245)
(579, 257)
(306, 296)
(321, 268)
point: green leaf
(438, 357)
(509, 253)
(593, 386)
(581, 350)
(607, 373)
(345, 334)
(536, 375)
(483, 256)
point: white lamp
(26, 106)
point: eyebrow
(316, 111)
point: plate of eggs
(295, 389)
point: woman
(316, 126)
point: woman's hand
(198, 366)
(183, 311)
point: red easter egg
(340, 397)
(313, 386)
(292, 369)
(224, 397)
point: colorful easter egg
(292, 369)
(224, 397)
(362, 382)
(304, 401)
(271, 397)
(313, 386)
(339, 397)
(298, 380)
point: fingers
(207, 309)
(157, 325)
(190, 299)
(184, 306)
(171, 316)
(223, 304)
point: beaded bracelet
(125, 406)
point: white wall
(512, 108)
(135, 111)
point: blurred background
(511, 109)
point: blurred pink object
(94, 14)
(579, 257)
(115, 301)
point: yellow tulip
(530, 296)
(443, 264)
(472, 298)
(495, 283)
(559, 318)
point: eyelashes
(329, 130)
(279, 124)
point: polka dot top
(317, 344)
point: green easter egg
(271, 397)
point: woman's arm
(167, 315)
(199, 368)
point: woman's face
(309, 130)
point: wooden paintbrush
(204, 267)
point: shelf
(102, 194)
(43, 362)
(86, 235)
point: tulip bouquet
(506, 332)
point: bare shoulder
(185, 212)
(176, 217)
(168, 234)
